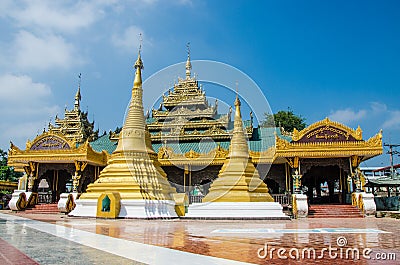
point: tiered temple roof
(186, 115)
(75, 125)
(182, 126)
(185, 119)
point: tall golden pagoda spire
(132, 134)
(238, 179)
(131, 171)
(188, 63)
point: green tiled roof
(262, 139)
(199, 147)
(217, 116)
(150, 120)
(104, 143)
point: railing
(283, 199)
(195, 198)
(44, 197)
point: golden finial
(140, 42)
(139, 63)
(78, 93)
(188, 63)
(137, 82)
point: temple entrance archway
(51, 184)
(325, 181)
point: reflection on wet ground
(252, 241)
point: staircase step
(334, 211)
(43, 209)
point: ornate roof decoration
(327, 131)
(217, 156)
(209, 112)
(371, 147)
(56, 148)
(185, 114)
(75, 125)
(50, 141)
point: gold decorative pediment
(192, 154)
(215, 130)
(84, 152)
(13, 149)
(50, 141)
(376, 140)
(217, 156)
(335, 130)
(221, 152)
(165, 152)
(281, 143)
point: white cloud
(378, 107)
(347, 115)
(55, 15)
(25, 108)
(378, 114)
(17, 88)
(41, 53)
(392, 121)
(129, 39)
(185, 2)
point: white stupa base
(236, 210)
(129, 209)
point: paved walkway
(58, 239)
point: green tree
(7, 173)
(287, 119)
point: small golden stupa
(133, 170)
(238, 179)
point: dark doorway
(51, 184)
(324, 184)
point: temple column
(355, 171)
(79, 167)
(331, 190)
(299, 200)
(297, 182)
(31, 171)
(294, 164)
(349, 184)
(185, 172)
(357, 180)
(318, 188)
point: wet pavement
(59, 239)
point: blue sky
(320, 58)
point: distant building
(373, 173)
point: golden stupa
(238, 179)
(133, 171)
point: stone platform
(141, 209)
(236, 210)
(67, 240)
